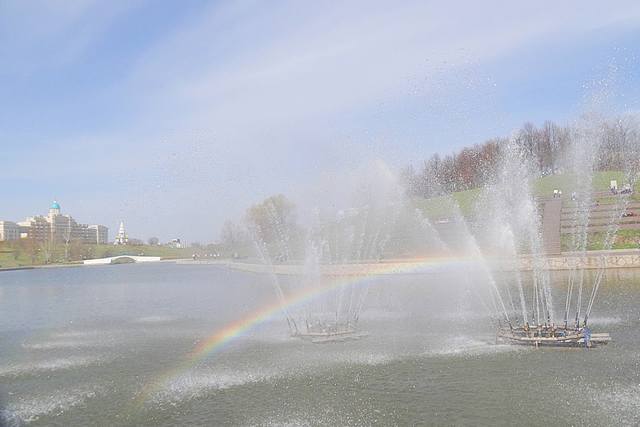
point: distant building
(54, 209)
(9, 230)
(58, 228)
(121, 238)
(101, 233)
(175, 243)
(36, 228)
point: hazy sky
(175, 115)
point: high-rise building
(101, 234)
(58, 228)
(9, 230)
(36, 228)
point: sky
(175, 116)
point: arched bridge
(122, 259)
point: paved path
(115, 259)
(551, 226)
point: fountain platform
(325, 333)
(551, 336)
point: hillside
(438, 207)
(441, 207)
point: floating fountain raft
(326, 332)
(552, 336)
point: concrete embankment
(355, 269)
(39, 267)
(626, 258)
(565, 261)
(16, 268)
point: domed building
(54, 209)
(61, 228)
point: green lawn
(13, 258)
(21, 253)
(567, 183)
(625, 239)
(439, 207)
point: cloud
(275, 66)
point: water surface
(107, 346)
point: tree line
(546, 147)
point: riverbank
(23, 253)
(17, 268)
(590, 260)
(76, 265)
(627, 258)
(34, 267)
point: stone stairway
(551, 214)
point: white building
(101, 234)
(9, 231)
(176, 243)
(60, 228)
(121, 238)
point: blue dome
(55, 205)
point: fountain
(509, 210)
(325, 306)
(506, 225)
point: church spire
(121, 238)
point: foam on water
(49, 365)
(321, 415)
(155, 319)
(28, 410)
(331, 418)
(62, 344)
(199, 382)
(79, 333)
(108, 337)
(620, 404)
(372, 359)
(294, 422)
(10, 419)
(467, 346)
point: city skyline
(173, 116)
(54, 226)
(55, 202)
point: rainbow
(239, 327)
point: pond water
(114, 345)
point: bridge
(122, 259)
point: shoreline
(36, 267)
(75, 265)
(591, 260)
